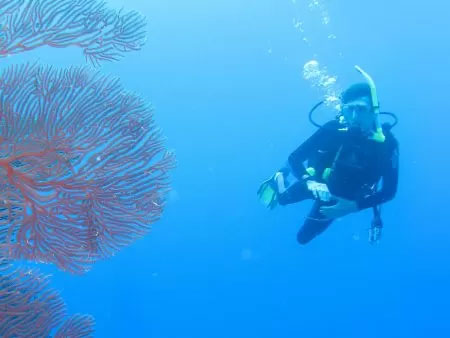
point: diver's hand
(319, 190)
(341, 208)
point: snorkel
(378, 135)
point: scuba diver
(348, 165)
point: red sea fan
(76, 326)
(102, 33)
(29, 308)
(83, 170)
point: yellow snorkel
(378, 135)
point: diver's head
(357, 107)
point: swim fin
(268, 193)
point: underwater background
(226, 79)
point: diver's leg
(295, 193)
(315, 224)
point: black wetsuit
(357, 165)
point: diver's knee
(303, 238)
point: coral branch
(28, 308)
(103, 34)
(83, 171)
(78, 326)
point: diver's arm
(389, 187)
(307, 148)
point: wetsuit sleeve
(306, 149)
(389, 183)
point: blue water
(226, 81)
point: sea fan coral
(102, 34)
(83, 170)
(29, 308)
